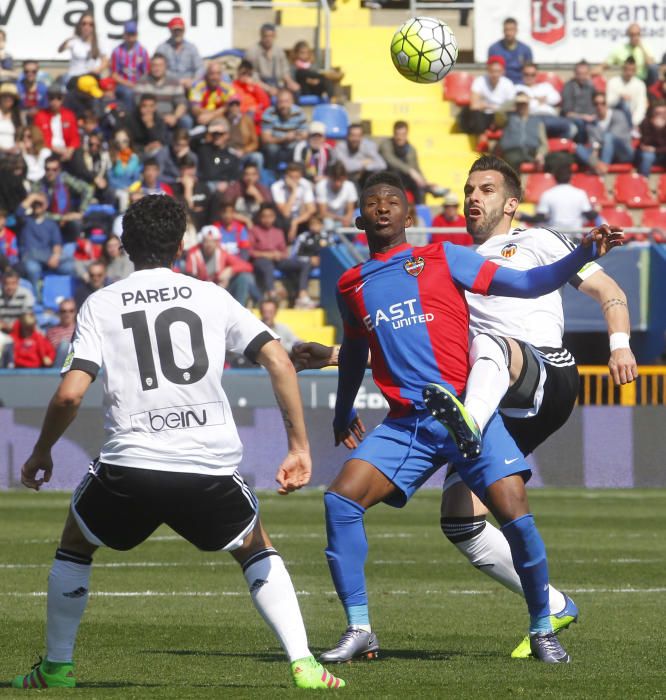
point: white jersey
(160, 339)
(540, 321)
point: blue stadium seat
(335, 118)
(55, 289)
(423, 211)
(309, 100)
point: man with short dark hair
(32, 92)
(161, 465)
(514, 52)
(95, 280)
(147, 129)
(577, 103)
(58, 125)
(282, 127)
(169, 96)
(270, 62)
(628, 92)
(358, 154)
(218, 165)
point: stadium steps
(307, 324)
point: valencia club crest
(414, 266)
(509, 250)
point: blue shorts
(409, 450)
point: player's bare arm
(613, 301)
(295, 470)
(348, 428)
(60, 413)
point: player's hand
(622, 366)
(311, 356)
(352, 435)
(294, 472)
(605, 237)
(38, 461)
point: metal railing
(597, 388)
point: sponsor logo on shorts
(158, 420)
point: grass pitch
(167, 621)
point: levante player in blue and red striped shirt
(406, 305)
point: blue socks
(346, 554)
(529, 557)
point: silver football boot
(355, 643)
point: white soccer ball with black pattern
(424, 49)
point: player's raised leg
(463, 522)
(275, 599)
(66, 601)
(358, 486)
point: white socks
(488, 379)
(489, 552)
(274, 597)
(67, 598)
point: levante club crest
(414, 266)
(509, 250)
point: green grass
(445, 629)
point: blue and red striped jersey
(410, 304)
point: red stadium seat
(555, 145)
(618, 168)
(528, 168)
(599, 83)
(458, 87)
(536, 185)
(617, 216)
(661, 188)
(633, 190)
(655, 217)
(594, 186)
(552, 78)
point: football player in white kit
(518, 363)
(172, 450)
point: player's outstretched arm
(348, 428)
(61, 411)
(543, 280)
(296, 468)
(613, 302)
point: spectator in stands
(84, 52)
(210, 262)
(32, 91)
(268, 250)
(12, 177)
(336, 198)
(218, 166)
(294, 198)
(8, 248)
(31, 349)
(609, 138)
(627, 92)
(151, 182)
(84, 96)
(169, 96)
(652, 146)
(58, 124)
(248, 194)
(183, 60)
(312, 81)
(15, 300)
(61, 334)
(30, 143)
(314, 153)
(96, 279)
(514, 52)
(307, 246)
(270, 62)
(401, 157)
(451, 218)
(129, 63)
(282, 127)
(170, 158)
(646, 69)
(193, 193)
(563, 207)
(254, 100)
(544, 99)
(40, 241)
(92, 163)
(268, 310)
(523, 138)
(67, 198)
(359, 155)
(146, 127)
(117, 262)
(209, 97)
(490, 93)
(577, 102)
(7, 71)
(113, 113)
(243, 137)
(234, 235)
(125, 166)
(10, 117)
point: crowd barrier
(601, 446)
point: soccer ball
(424, 49)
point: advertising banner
(566, 31)
(36, 28)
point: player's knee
(458, 530)
(340, 509)
(492, 348)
